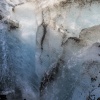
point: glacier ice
(50, 49)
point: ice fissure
(44, 34)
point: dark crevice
(13, 9)
(44, 31)
(44, 34)
(77, 40)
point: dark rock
(98, 98)
(93, 79)
(98, 54)
(99, 46)
(99, 85)
(3, 97)
(1, 17)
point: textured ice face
(25, 53)
(80, 55)
(78, 79)
(17, 55)
(52, 47)
(62, 23)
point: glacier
(49, 50)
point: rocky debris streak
(50, 75)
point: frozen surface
(50, 50)
(18, 79)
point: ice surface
(50, 34)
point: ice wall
(71, 35)
(55, 48)
(18, 78)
